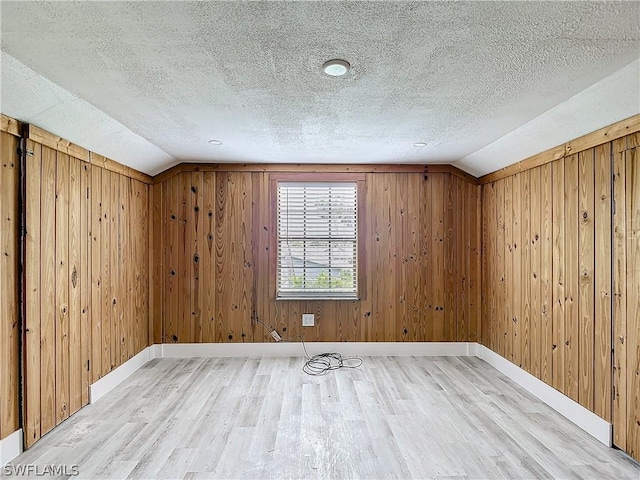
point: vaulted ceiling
(481, 83)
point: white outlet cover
(308, 319)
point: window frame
(310, 177)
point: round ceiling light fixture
(336, 67)
(420, 144)
(215, 142)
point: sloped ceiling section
(457, 76)
(606, 102)
(31, 98)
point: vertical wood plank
(32, 295)
(144, 264)
(525, 270)
(534, 240)
(222, 278)
(185, 326)
(9, 271)
(571, 331)
(197, 242)
(412, 257)
(462, 256)
(260, 227)
(208, 259)
(48, 291)
(489, 285)
(475, 267)
(156, 262)
(137, 226)
(62, 288)
(106, 273)
(500, 254)
(428, 247)
(509, 255)
(586, 304)
(172, 266)
(620, 296)
(399, 244)
(603, 282)
(85, 281)
(73, 281)
(125, 267)
(439, 269)
(388, 299)
(97, 296)
(632, 191)
(450, 261)
(244, 227)
(546, 274)
(559, 276)
(516, 275)
(115, 286)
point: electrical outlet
(308, 319)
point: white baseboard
(588, 421)
(155, 351)
(112, 379)
(10, 447)
(573, 411)
(288, 349)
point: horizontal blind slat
(317, 239)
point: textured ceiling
(458, 76)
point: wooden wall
(86, 279)
(212, 233)
(626, 294)
(547, 278)
(9, 275)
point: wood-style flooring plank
(419, 417)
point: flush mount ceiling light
(336, 67)
(419, 144)
(215, 142)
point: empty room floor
(394, 417)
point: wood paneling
(33, 164)
(545, 346)
(586, 291)
(47, 315)
(97, 307)
(534, 239)
(559, 276)
(578, 281)
(571, 279)
(87, 281)
(603, 281)
(313, 168)
(9, 277)
(421, 262)
(632, 193)
(80, 232)
(619, 408)
(626, 288)
(106, 252)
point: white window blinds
(317, 240)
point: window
(317, 240)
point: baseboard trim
(112, 379)
(573, 411)
(588, 421)
(10, 447)
(289, 349)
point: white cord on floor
(319, 364)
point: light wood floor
(423, 417)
